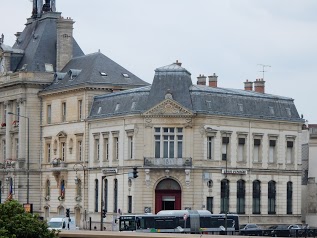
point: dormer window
(271, 110)
(126, 75)
(59, 76)
(117, 107)
(49, 68)
(209, 104)
(240, 107)
(288, 111)
(103, 73)
(73, 73)
(99, 110)
(133, 105)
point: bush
(16, 223)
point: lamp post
(28, 157)
(102, 203)
(76, 182)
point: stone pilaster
(8, 105)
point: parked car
(286, 230)
(268, 231)
(250, 229)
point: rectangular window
(289, 198)
(256, 150)
(157, 146)
(106, 149)
(80, 109)
(224, 148)
(96, 195)
(130, 147)
(241, 148)
(115, 196)
(210, 204)
(48, 152)
(180, 146)
(97, 150)
(272, 151)
(49, 114)
(290, 152)
(116, 148)
(80, 150)
(168, 142)
(210, 146)
(129, 204)
(63, 151)
(64, 111)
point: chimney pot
(259, 86)
(213, 80)
(178, 63)
(248, 86)
(201, 79)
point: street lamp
(28, 157)
(102, 212)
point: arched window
(272, 197)
(115, 196)
(256, 205)
(96, 195)
(241, 197)
(106, 195)
(224, 196)
(289, 198)
(48, 188)
(62, 191)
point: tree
(16, 223)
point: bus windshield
(127, 224)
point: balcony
(58, 165)
(167, 162)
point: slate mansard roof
(198, 99)
(93, 70)
(36, 47)
(38, 42)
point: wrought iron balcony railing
(167, 162)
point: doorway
(167, 195)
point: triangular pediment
(168, 108)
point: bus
(180, 221)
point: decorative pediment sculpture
(168, 108)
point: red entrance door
(167, 200)
(168, 196)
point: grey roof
(201, 100)
(38, 42)
(94, 70)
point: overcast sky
(227, 37)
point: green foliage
(16, 223)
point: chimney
(248, 86)
(201, 80)
(259, 85)
(64, 42)
(178, 63)
(213, 80)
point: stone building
(309, 186)
(80, 123)
(195, 147)
(47, 84)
